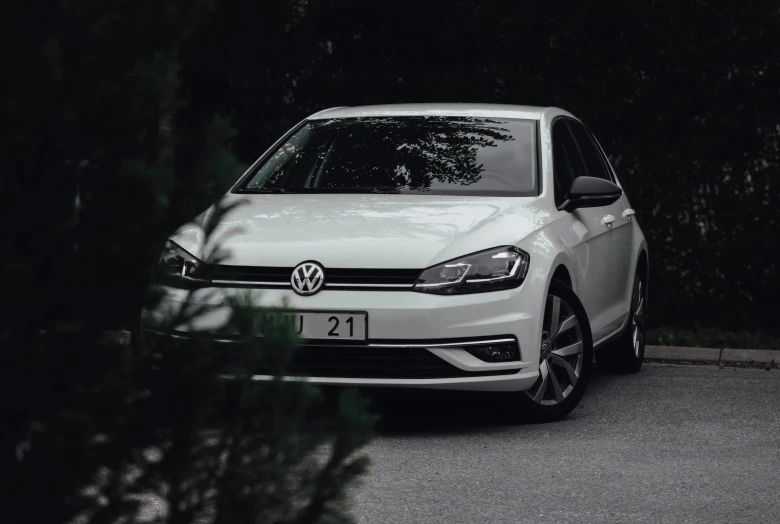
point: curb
(712, 355)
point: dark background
(122, 119)
(683, 96)
(122, 103)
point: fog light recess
(496, 352)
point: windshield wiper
(387, 190)
(358, 190)
(273, 190)
(304, 190)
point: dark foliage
(97, 169)
(682, 95)
(102, 157)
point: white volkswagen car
(447, 246)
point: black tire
(555, 409)
(626, 353)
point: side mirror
(587, 191)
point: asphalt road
(671, 444)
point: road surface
(671, 444)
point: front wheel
(565, 359)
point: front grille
(371, 276)
(279, 275)
(342, 361)
(334, 277)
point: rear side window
(594, 162)
(567, 163)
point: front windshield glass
(409, 154)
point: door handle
(607, 220)
(629, 213)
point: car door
(620, 229)
(593, 247)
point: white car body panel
(360, 230)
(418, 231)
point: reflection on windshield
(434, 155)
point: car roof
(474, 110)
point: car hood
(359, 230)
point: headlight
(492, 270)
(177, 266)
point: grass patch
(711, 338)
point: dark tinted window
(590, 153)
(567, 163)
(438, 155)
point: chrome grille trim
(249, 283)
(287, 285)
(335, 278)
(400, 286)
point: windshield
(409, 154)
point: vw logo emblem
(307, 278)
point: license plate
(319, 325)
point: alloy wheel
(561, 356)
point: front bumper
(399, 322)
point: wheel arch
(562, 269)
(562, 273)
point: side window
(610, 168)
(590, 152)
(567, 163)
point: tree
(99, 167)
